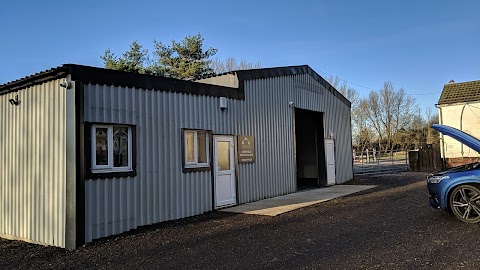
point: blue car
(457, 189)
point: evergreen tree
(182, 60)
(133, 60)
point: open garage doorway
(310, 149)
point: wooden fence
(426, 159)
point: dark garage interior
(310, 149)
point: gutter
(440, 120)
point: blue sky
(417, 45)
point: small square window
(196, 147)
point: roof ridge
(462, 82)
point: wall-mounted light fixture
(223, 103)
(15, 101)
(332, 134)
(291, 104)
(66, 84)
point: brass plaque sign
(246, 149)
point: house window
(111, 148)
(196, 147)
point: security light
(15, 101)
(66, 84)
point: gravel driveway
(389, 227)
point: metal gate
(374, 162)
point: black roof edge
(263, 73)
(95, 75)
(37, 78)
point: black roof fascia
(94, 75)
(37, 78)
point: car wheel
(465, 203)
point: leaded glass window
(111, 148)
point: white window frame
(109, 167)
(195, 163)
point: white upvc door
(224, 166)
(330, 156)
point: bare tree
(432, 134)
(389, 111)
(361, 133)
(342, 87)
(230, 64)
(387, 117)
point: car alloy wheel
(465, 203)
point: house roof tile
(460, 92)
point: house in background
(459, 107)
(88, 152)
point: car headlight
(437, 179)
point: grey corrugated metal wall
(161, 191)
(266, 115)
(33, 164)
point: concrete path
(282, 204)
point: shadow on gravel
(380, 228)
(384, 182)
(214, 216)
(391, 182)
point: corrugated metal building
(89, 152)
